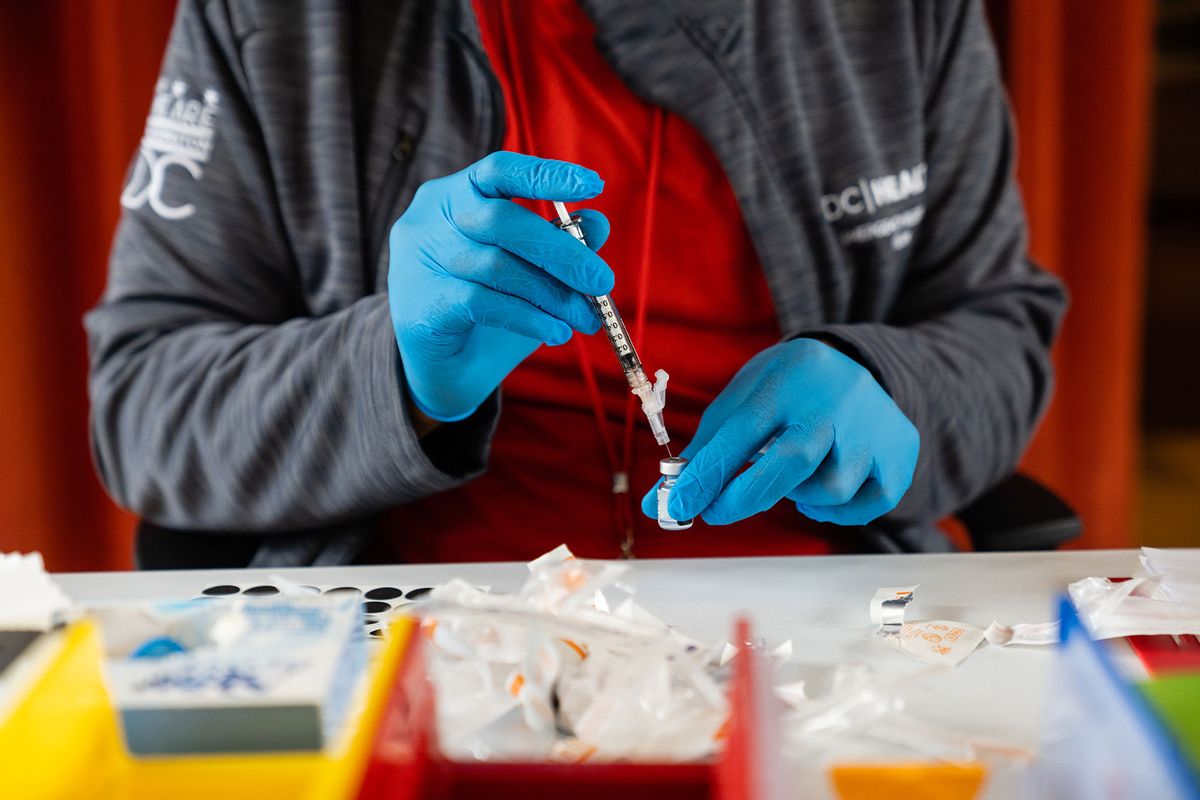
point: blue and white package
(248, 674)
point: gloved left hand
(837, 445)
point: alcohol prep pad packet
(938, 641)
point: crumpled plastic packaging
(29, 599)
(557, 671)
(1027, 633)
(1161, 598)
(857, 713)
(1136, 607)
(1178, 571)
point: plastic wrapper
(1177, 570)
(777, 656)
(1136, 607)
(29, 599)
(859, 716)
(1162, 597)
(560, 671)
(1025, 633)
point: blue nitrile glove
(476, 282)
(842, 450)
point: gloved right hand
(476, 283)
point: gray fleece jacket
(244, 373)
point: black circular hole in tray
(344, 590)
(376, 632)
(376, 607)
(262, 590)
(224, 588)
(384, 593)
(415, 594)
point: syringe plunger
(564, 216)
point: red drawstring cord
(643, 291)
(624, 504)
(589, 381)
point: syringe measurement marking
(612, 325)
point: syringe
(653, 396)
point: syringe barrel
(610, 318)
(618, 335)
(651, 395)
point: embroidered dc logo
(179, 132)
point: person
(339, 324)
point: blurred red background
(77, 81)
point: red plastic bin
(1163, 655)
(405, 763)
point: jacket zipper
(385, 199)
(405, 148)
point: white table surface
(820, 603)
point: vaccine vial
(670, 469)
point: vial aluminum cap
(672, 466)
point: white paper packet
(938, 641)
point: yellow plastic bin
(63, 741)
(330, 774)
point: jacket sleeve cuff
(447, 457)
(881, 350)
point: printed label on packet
(938, 641)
